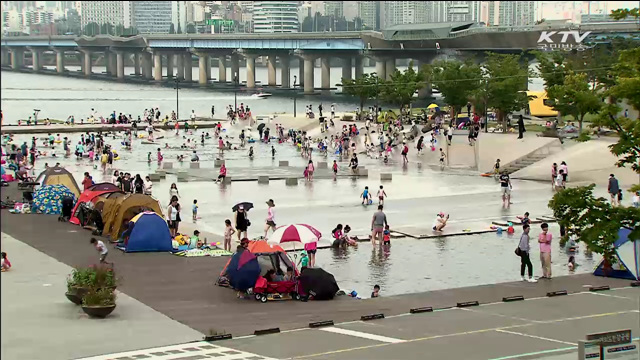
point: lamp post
(177, 81)
(235, 91)
(295, 80)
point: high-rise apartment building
(512, 13)
(334, 8)
(275, 16)
(150, 17)
(404, 12)
(462, 11)
(102, 12)
(369, 13)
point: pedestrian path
(189, 351)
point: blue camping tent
(627, 264)
(147, 232)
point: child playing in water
(366, 197)
(376, 291)
(525, 219)
(160, 157)
(381, 195)
(228, 232)
(386, 236)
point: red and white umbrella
(294, 237)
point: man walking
(544, 239)
(505, 187)
(614, 189)
(521, 128)
(378, 223)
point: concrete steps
(533, 157)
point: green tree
(191, 28)
(172, 29)
(621, 14)
(593, 220)
(179, 29)
(456, 81)
(402, 86)
(575, 97)
(627, 86)
(364, 87)
(91, 29)
(553, 67)
(504, 75)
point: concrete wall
(589, 162)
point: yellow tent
(118, 211)
(59, 175)
(539, 106)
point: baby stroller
(279, 290)
(67, 207)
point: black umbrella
(318, 283)
(246, 205)
(261, 126)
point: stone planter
(73, 297)
(98, 311)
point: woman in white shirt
(172, 215)
(173, 191)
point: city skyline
(287, 16)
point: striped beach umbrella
(294, 237)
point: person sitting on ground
(350, 241)
(5, 264)
(525, 220)
(440, 222)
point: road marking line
(361, 334)
(536, 337)
(613, 296)
(536, 353)
(500, 315)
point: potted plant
(99, 303)
(81, 280)
(78, 283)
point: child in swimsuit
(386, 236)
(366, 197)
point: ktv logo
(546, 41)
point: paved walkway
(38, 322)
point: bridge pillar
(136, 64)
(157, 66)
(381, 69)
(120, 65)
(180, 66)
(188, 67)
(301, 72)
(271, 70)
(346, 68)
(284, 73)
(359, 65)
(87, 63)
(147, 65)
(203, 63)
(326, 72)
(390, 67)
(222, 69)
(60, 61)
(308, 74)
(17, 59)
(4, 59)
(251, 71)
(36, 59)
(112, 65)
(235, 66)
(169, 66)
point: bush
(94, 277)
(101, 297)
